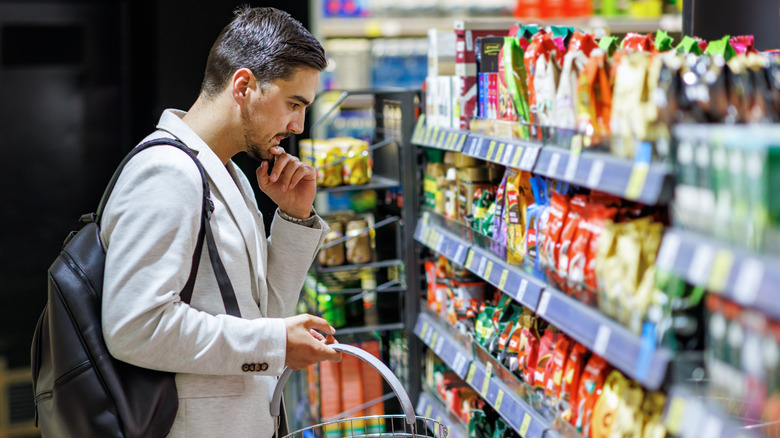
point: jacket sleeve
(149, 229)
(291, 251)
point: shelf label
(486, 380)
(602, 340)
(424, 330)
(470, 375)
(521, 290)
(491, 148)
(428, 410)
(500, 152)
(552, 166)
(529, 159)
(488, 270)
(459, 253)
(700, 265)
(544, 301)
(482, 267)
(478, 152)
(749, 279)
(440, 140)
(470, 260)
(668, 253)
(460, 362)
(675, 415)
(720, 271)
(636, 182)
(526, 424)
(499, 399)
(594, 175)
(502, 281)
(439, 343)
(574, 158)
(508, 152)
(461, 142)
(439, 243)
(429, 339)
(516, 163)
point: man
(261, 74)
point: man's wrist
(308, 220)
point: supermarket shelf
(513, 153)
(441, 240)
(377, 182)
(381, 264)
(438, 138)
(521, 286)
(429, 406)
(417, 26)
(518, 414)
(647, 183)
(690, 416)
(439, 339)
(634, 356)
(747, 278)
(371, 328)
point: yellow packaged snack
(326, 158)
(517, 197)
(357, 166)
(652, 413)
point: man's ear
(242, 83)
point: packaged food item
(573, 218)
(530, 340)
(633, 110)
(547, 344)
(358, 243)
(568, 395)
(690, 44)
(547, 72)
(357, 166)
(542, 45)
(663, 42)
(652, 413)
(721, 47)
(559, 209)
(333, 255)
(517, 196)
(575, 275)
(326, 158)
(595, 97)
(638, 42)
(591, 382)
(512, 84)
(534, 212)
(608, 44)
(554, 374)
(470, 179)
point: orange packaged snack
(592, 380)
(567, 395)
(595, 97)
(559, 208)
(563, 249)
(554, 374)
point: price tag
(700, 265)
(500, 152)
(482, 267)
(502, 281)
(574, 158)
(458, 364)
(454, 142)
(668, 252)
(526, 424)
(428, 410)
(749, 279)
(720, 271)
(516, 158)
(429, 337)
(427, 235)
(470, 375)
(675, 415)
(469, 260)
(499, 399)
(491, 147)
(438, 345)
(440, 243)
(552, 166)
(594, 175)
(459, 253)
(521, 290)
(602, 340)
(424, 330)
(508, 152)
(530, 158)
(461, 142)
(713, 427)
(544, 301)
(488, 270)
(486, 380)
(478, 152)
(636, 182)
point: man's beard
(258, 152)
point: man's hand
(292, 185)
(305, 346)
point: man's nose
(296, 123)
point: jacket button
(245, 367)
(263, 366)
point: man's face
(278, 111)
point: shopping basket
(378, 426)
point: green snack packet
(527, 31)
(689, 45)
(514, 70)
(608, 44)
(663, 42)
(721, 47)
(564, 32)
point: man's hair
(269, 42)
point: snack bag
(559, 209)
(545, 85)
(530, 340)
(692, 45)
(595, 97)
(542, 45)
(573, 218)
(598, 216)
(591, 382)
(533, 217)
(663, 42)
(638, 42)
(633, 110)
(554, 372)
(575, 274)
(572, 371)
(608, 44)
(743, 44)
(566, 98)
(721, 47)
(513, 100)
(546, 348)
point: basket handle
(390, 378)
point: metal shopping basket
(378, 426)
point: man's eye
(295, 105)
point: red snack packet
(531, 341)
(554, 372)
(559, 208)
(598, 216)
(570, 383)
(638, 42)
(583, 42)
(575, 278)
(563, 248)
(591, 382)
(594, 107)
(546, 347)
(743, 44)
(542, 44)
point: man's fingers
(318, 336)
(315, 322)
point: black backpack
(80, 389)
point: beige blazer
(226, 366)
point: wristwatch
(308, 222)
